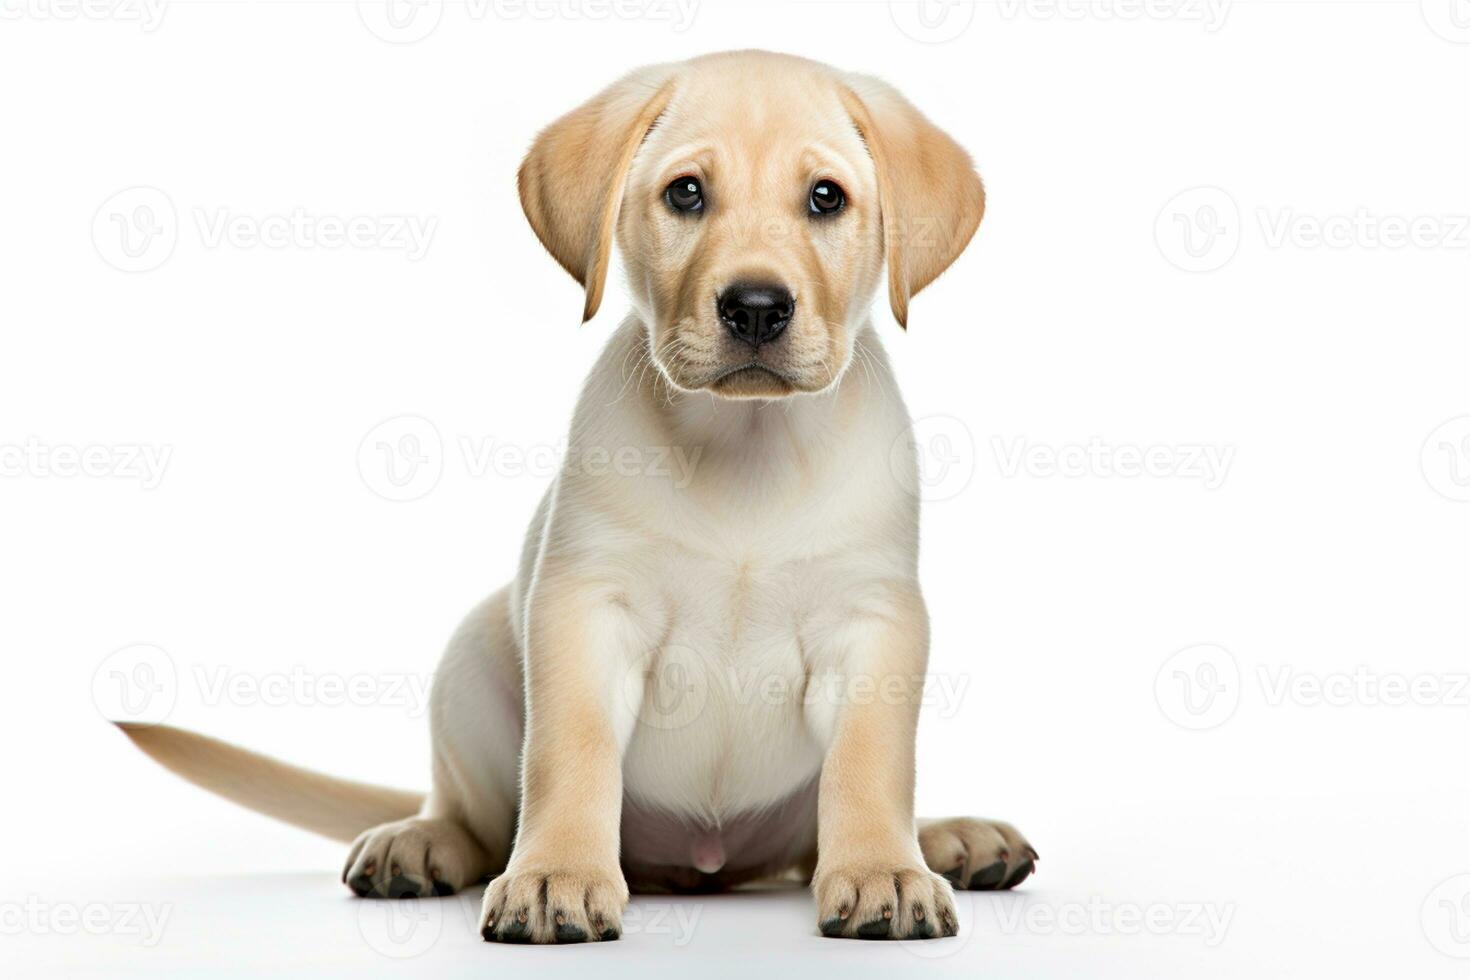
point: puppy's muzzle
(756, 313)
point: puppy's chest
(725, 726)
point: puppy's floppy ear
(571, 181)
(930, 195)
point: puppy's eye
(827, 198)
(685, 195)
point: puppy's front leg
(871, 881)
(563, 882)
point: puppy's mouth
(751, 380)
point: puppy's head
(755, 199)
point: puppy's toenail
(887, 913)
(843, 913)
(522, 917)
(569, 934)
(561, 920)
(1020, 874)
(919, 912)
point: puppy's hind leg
(975, 854)
(463, 832)
(414, 858)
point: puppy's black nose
(756, 312)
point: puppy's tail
(336, 808)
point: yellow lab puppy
(699, 681)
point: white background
(1104, 299)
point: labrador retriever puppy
(698, 682)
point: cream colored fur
(768, 592)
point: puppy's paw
(981, 855)
(883, 901)
(413, 858)
(536, 903)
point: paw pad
(988, 878)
